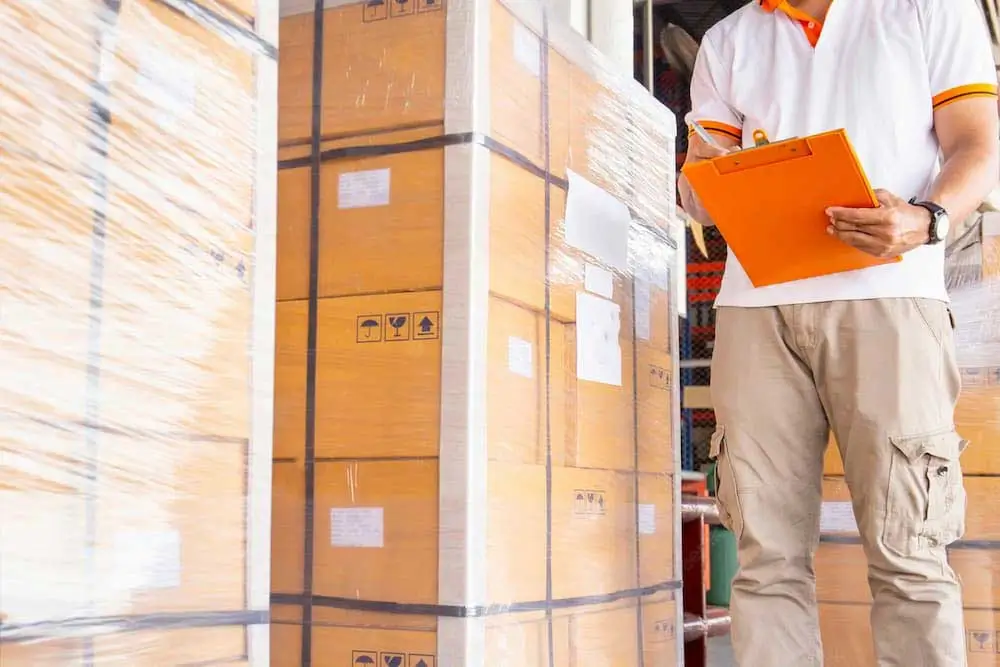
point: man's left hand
(890, 230)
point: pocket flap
(718, 437)
(948, 445)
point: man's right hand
(698, 151)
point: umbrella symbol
(365, 660)
(422, 663)
(368, 325)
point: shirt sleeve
(709, 105)
(959, 51)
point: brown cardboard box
(378, 386)
(57, 51)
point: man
(867, 353)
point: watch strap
(936, 212)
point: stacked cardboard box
(132, 268)
(841, 568)
(474, 449)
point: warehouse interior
(371, 332)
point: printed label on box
(170, 85)
(599, 281)
(148, 559)
(837, 517)
(647, 519)
(519, 357)
(598, 350)
(357, 527)
(528, 50)
(363, 189)
(597, 223)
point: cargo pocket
(925, 498)
(726, 494)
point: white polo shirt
(879, 69)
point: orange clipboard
(769, 203)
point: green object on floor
(710, 478)
(724, 566)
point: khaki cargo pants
(882, 375)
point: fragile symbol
(369, 329)
(589, 502)
(375, 10)
(659, 377)
(981, 641)
(426, 325)
(364, 657)
(398, 326)
(421, 660)
(401, 8)
(429, 5)
(393, 659)
(664, 630)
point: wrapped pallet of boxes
(137, 205)
(841, 568)
(475, 448)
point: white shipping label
(837, 517)
(599, 281)
(527, 50)
(170, 84)
(598, 351)
(991, 224)
(647, 519)
(148, 560)
(597, 223)
(643, 304)
(519, 357)
(357, 527)
(363, 189)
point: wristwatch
(940, 222)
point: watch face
(943, 226)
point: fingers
(864, 242)
(701, 150)
(855, 216)
(886, 198)
(707, 151)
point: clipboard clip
(760, 138)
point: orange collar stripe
(811, 26)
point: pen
(705, 136)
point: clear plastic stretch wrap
(973, 276)
(136, 314)
(476, 412)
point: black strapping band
(104, 625)
(458, 611)
(961, 545)
(242, 35)
(312, 335)
(457, 139)
(100, 118)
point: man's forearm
(966, 178)
(691, 203)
